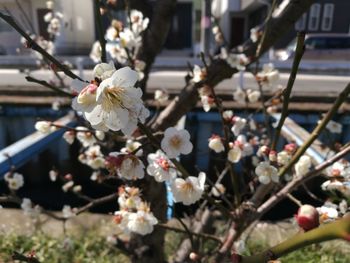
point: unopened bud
(194, 256)
(308, 217)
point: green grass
(90, 247)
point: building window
(327, 19)
(314, 18)
(301, 23)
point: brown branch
(155, 36)
(48, 85)
(295, 183)
(100, 31)
(21, 257)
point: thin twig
(33, 45)
(299, 181)
(286, 94)
(200, 235)
(100, 31)
(48, 85)
(313, 136)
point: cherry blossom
(302, 167)
(119, 104)
(176, 142)
(215, 143)
(189, 190)
(266, 173)
(160, 167)
(14, 180)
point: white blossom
(121, 218)
(227, 115)
(100, 135)
(266, 173)
(67, 212)
(129, 197)
(161, 95)
(53, 175)
(283, 158)
(253, 95)
(160, 167)
(142, 222)
(119, 104)
(239, 95)
(138, 22)
(239, 124)
(302, 167)
(104, 71)
(254, 34)
(328, 212)
(131, 146)
(234, 154)
(43, 126)
(189, 190)
(207, 102)
(238, 61)
(269, 75)
(198, 74)
(69, 136)
(218, 189)
(96, 53)
(131, 168)
(93, 157)
(215, 143)
(14, 180)
(334, 127)
(85, 137)
(176, 142)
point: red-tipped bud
(290, 148)
(68, 177)
(308, 217)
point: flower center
(175, 142)
(113, 97)
(187, 187)
(163, 163)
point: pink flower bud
(290, 148)
(308, 217)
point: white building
(78, 29)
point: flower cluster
(269, 76)
(127, 166)
(238, 61)
(241, 95)
(123, 42)
(114, 103)
(54, 20)
(134, 215)
(339, 178)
